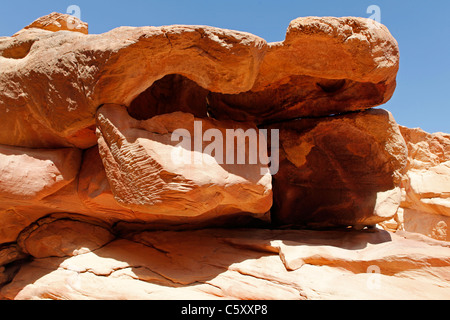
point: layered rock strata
(113, 171)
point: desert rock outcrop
(324, 66)
(346, 168)
(244, 264)
(50, 92)
(149, 171)
(425, 205)
(115, 168)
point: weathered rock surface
(63, 235)
(53, 82)
(52, 90)
(28, 178)
(426, 186)
(30, 175)
(149, 172)
(324, 66)
(344, 170)
(244, 264)
(170, 94)
(98, 201)
(59, 22)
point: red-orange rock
(256, 264)
(31, 175)
(63, 235)
(339, 171)
(324, 66)
(92, 179)
(74, 73)
(59, 22)
(53, 82)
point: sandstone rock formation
(340, 171)
(241, 264)
(149, 173)
(59, 22)
(104, 182)
(324, 66)
(426, 186)
(51, 91)
(78, 72)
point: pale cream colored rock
(426, 186)
(29, 175)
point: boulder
(426, 150)
(53, 80)
(152, 168)
(425, 206)
(52, 83)
(62, 235)
(339, 171)
(244, 264)
(59, 22)
(29, 175)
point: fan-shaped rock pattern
(119, 152)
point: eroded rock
(53, 83)
(29, 175)
(150, 172)
(63, 235)
(339, 171)
(425, 205)
(59, 22)
(73, 221)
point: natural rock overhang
(52, 101)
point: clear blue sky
(422, 29)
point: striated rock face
(150, 172)
(179, 162)
(426, 186)
(343, 170)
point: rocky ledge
(104, 182)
